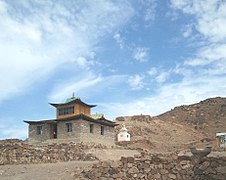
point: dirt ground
(112, 154)
(50, 171)
(212, 154)
(60, 170)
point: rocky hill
(180, 128)
(208, 115)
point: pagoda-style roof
(72, 100)
(101, 120)
(97, 116)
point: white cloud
(153, 71)
(76, 85)
(210, 16)
(8, 129)
(84, 85)
(119, 40)
(136, 82)
(13, 133)
(150, 11)
(37, 38)
(209, 60)
(162, 77)
(187, 31)
(159, 75)
(214, 56)
(210, 19)
(213, 52)
(141, 54)
(83, 62)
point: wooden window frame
(39, 130)
(91, 128)
(101, 130)
(68, 127)
(66, 110)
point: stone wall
(159, 167)
(80, 133)
(41, 137)
(18, 152)
(73, 135)
(108, 138)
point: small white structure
(123, 135)
(221, 136)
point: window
(66, 110)
(91, 128)
(39, 130)
(69, 127)
(102, 130)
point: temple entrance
(53, 131)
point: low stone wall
(161, 167)
(18, 152)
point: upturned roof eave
(76, 101)
(102, 121)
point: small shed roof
(220, 134)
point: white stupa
(123, 135)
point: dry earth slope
(180, 128)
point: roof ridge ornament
(123, 127)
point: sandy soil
(50, 171)
(212, 154)
(112, 154)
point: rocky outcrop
(161, 167)
(18, 152)
(207, 111)
(143, 118)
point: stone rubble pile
(158, 167)
(18, 152)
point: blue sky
(128, 57)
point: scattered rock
(133, 170)
(172, 176)
(221, 169)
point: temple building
(74, 123)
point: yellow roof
(96, 116)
